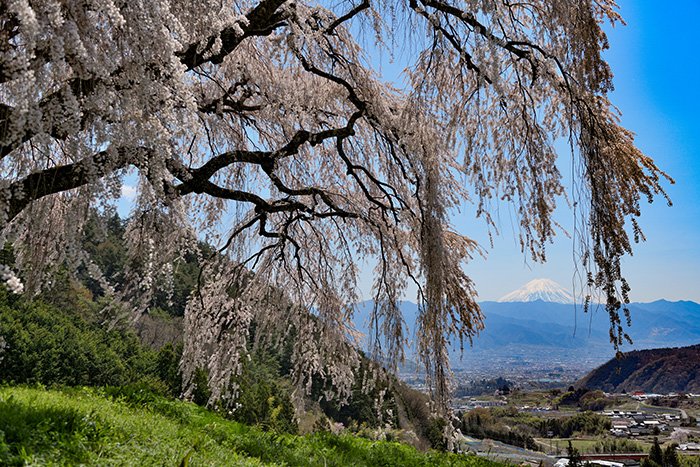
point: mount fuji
(541, 321)
(540, 289)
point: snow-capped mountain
(540, 289)
(553, 331)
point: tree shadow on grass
(34, 434)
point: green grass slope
(121, 427)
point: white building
(564, 462)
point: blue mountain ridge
(558, 329)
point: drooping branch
(19, 194)
(261, 21)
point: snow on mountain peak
(539, 289)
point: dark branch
(262, 20)
(65, 177)
(349, 15)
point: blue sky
(657, 88)
(657, 79)
(656, 69)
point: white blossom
(12, 282)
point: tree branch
(349, 15)
(262, 20)
(65, 177)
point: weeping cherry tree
(266, 128)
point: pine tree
(574, 456)
(656, 456)
(670, 457)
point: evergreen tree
(574, 456)
(671, 456)
(656, 457)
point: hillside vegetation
(653, 371)
(112, 402)
(66, 344)
(75, 335)
(122, 427)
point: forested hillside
(76, 335)
(654, 371)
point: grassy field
(88, 426)
(584, 445)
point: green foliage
(660, 457)
(690, 421)
(54, 347)
(323, 425)
(613, 445)
(436, 433)
(689, 461)
(574, 456)
(502, 424)
(184, 281)
(583, 398)
(168, 367)
(587, 423)
(593, 401)
(27, 428)
(510, 426)
(671, 456)
(656, 455)
(51, 346)
(264, 398)
(82, 426)
(370, 386)
(201, 391)
(7, 255)
(104, 242)
(71, 296)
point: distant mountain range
(540, 289)
(562, 331)
(653, 371)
